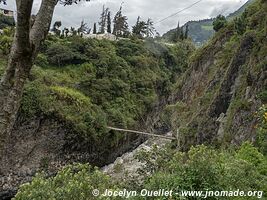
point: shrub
(262, 129)
(219, 22)
(31, 102)
(263, 96)
(73, 182)
(240, 25)
(6, 21)
(41, 60)
(6, 40)
(71, 96)
(60, 55)
(203, 168)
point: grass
(207, 28)
(3, 63)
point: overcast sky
(155, 9)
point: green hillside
(201, 31)
(240, 10)
(196, 118)
(89, 84)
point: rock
(128, 164)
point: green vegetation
(206, 169)
(207, 28)
(201, 31)
(219, 23)
(89, 84)
(73, 182)
(240, 10)
(6, 40)
(238, 116)
(6, 21)
(200, 169)
(263, 96)
(262, 130)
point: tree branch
(69, 2)
(21, 43)
(23, 25)
(42, 23)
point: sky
(154, 9)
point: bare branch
(69, 2)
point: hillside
(201, 31)
(213, 100)
(219, 94)
(240, 10)
(78, 88)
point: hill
(78, 88)
(213, 100)
(240, 10)
(201, 31)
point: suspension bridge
(142, 133)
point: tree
(56, 27)
(66, 32)
(26, 43)
(219, 22)
(103, 20)
(73, 31)
(178, 34)
(186, 31)
(240, 25)
(83, 28)
(182, 36)
(121, 28)
(140, 28)
(109, 22)
(94, 30)
(150, 30)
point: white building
(107, 36)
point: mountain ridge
(202, 30)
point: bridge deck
(142, 133)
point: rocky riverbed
(128, 165)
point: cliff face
(217, 98)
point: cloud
(225, 8)
(155, 9)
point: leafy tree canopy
(219, 22)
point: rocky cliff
(217, 98)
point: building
(8, 13)
(107, 36)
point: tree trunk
(12, 82)
(24, 50)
